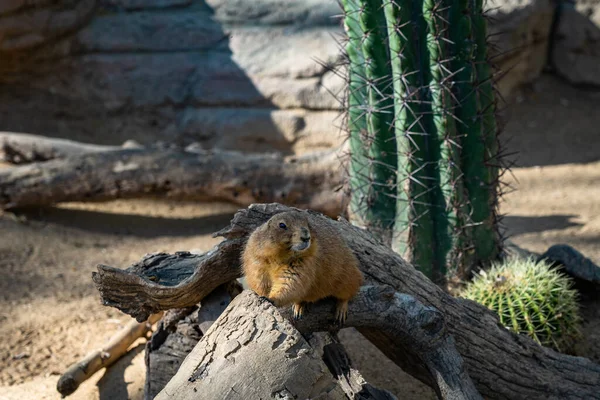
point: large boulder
(576, 52)
(238, 74)
(519, 31)
(589, 9)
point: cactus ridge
(532, 298)
(425, 161)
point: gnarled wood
(503, 365)
(253, 352)
(25, 148)
(408, 323)
(177, 334)
(105, 356)
(310, 181)
(163, 281)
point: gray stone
(10, 6)
(144, 4)
(576, 53)
(574, 263)
(38, 26)
(153, 80)
(310, 93)
(285, 52)
(119, 81)
(238, 74)
(151, 32)
(519, 33)
(589, 8)
(276, 12)
(257, 129)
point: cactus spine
(372, 142)
(432, 103)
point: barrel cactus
(530, 298)
(424, 154)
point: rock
(257, 129)
(40, 25)
(519, 32)
(150, 32)
(200, 79)
(276, 12)
(574, 263)
(285, 52)
(312, 93)
(247, 73)
(144, 4)
(588, 8)
(10, 6)
(576, 53)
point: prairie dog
(295, 258)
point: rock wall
(576, 51)
(236, 74)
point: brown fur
(277, 267)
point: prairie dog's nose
(304, 234)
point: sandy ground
(50, 315)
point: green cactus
(424, 148)
(531, 298)
(372, 142)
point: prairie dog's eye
(282, 225)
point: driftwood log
(181, 329)
(105, 356)
(177, 334)
(24, 148)
(502, 365)
(308, 181)
(253, 352)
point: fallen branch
(310, 181)
(349, 379)
(252, 352)
(177, 334)
(154, 282)
(501, 363)
(105, 356)
(24, 148)
(407, 322)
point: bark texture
(177, 334)
(407, 322)
(253, 352)
(503, 365)
(310, 181)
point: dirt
(50, 314)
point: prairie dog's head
(288, 232)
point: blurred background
(251, 76)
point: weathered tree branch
(503, 365)
(162, 281)
(105, 356)
(349, 379)
(25, 148)
(177, 334)
(407, 322)
(310, 181)
(252, 352)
